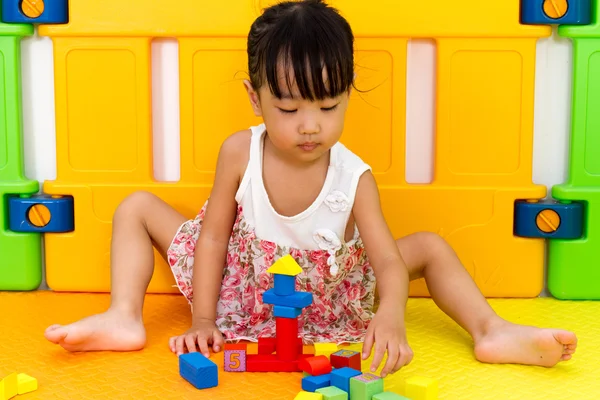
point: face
(299, 128)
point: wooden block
(270, 363)
(235, 357)
(287, 339)
(365, 386)
(318, 365)
(421, 388)
(268, 345)
(286, 312)
(346, 358)
(341, 378)
(198, 370)
(389, 396)
(308, 396)
(325, 349)
(312, 383)
(284, 285)
(26, 383)
(9, 387)
(332, 393)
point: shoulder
(235, 151)
(237, 144)
(348, 160)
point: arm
(390, 271)
(211, 249)
(386, 331)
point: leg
(428, 256)
(141, 221)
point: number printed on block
(235, 358)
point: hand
(388, 332)
(203, 333)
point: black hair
(305, 37)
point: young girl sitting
(288, 186)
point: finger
(566, 357)
(172, 343)
(203, 344)
(179, 344)
(404, 358)
(218, 341)
(190, 342)
(368, 344)
(392, 359)
(378, 357)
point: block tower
(283, 352)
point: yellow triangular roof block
(286, 265)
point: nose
(310, 125)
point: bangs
(318, 60)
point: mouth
(308, 146)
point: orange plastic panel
(483, 140)
(404, 18)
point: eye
(287, 111)
(329, 108)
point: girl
(289, 186)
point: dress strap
(254, 160)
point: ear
(254, 98)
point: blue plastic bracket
(549, 219)
(51, 11)
(61, 214)
(578, 12)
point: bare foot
(111, 330)
(507, 343)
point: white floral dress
(337, 273)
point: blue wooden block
(198, 370)
(286, 312)
(296, 300)
(570, 224)
(55, 12)
(579, 12)
(312, 383)
(284, 285)
(340, 378)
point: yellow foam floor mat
(442, 351)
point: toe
(565, 337)
(566, 357)
(56, 334)
(52, 327)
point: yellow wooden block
(26, 383)
(286, 265)
(8, 387)
(308, 396)
(325, 349)
(421, 388)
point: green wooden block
(389, 396)
(20, 253)
(365, 386)
(333, 393)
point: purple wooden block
(235, 361)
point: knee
(431, 243)
(134, 205)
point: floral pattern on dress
(342, 302)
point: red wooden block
(268, 345)
(318, 365)
(346, 358)
(270, 363)
(287, 338)
(236, 346)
